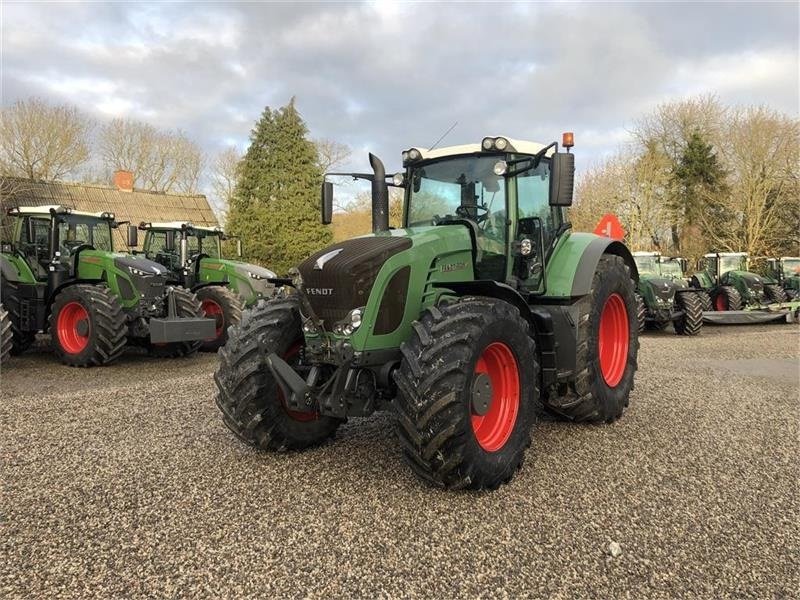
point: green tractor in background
(60, 274)
(193, 255)
(664, 296)
(729, 284)
(786, 272)
(482, 309)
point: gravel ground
(123, 482)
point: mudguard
(571, 268)
(8, 270)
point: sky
(383, 76)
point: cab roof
(517, 146)
(46, 210)
(178, 225)
(642, 253)
(715, 254)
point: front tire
(691, 322)
(252, 404)
(607, 347)
(87, 326)
(225, 307)
(186, 305)
(640, 313)
(776, 293)
(20, 340)
(705, 301)
(6, 336)
(467, 394)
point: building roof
(134, 206)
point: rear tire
(726, 298)
(87, 326)
(602, 387)
(775, 293)
(186, 305)
(6, 336)
(454, 350)
(223, 305)
(691, 322)
(251, 402)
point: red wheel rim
(214, 311)
(493, 429)
(720, 303)
(73, 328)
(303, 417)
(613, 340)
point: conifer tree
(275, 208)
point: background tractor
(664, 297)
(193, 255)
(481, 309)
(60, 274)
(786, 273)
(726, 279)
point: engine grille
(346, 277)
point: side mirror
(326, 208)
(239, 248)
(169, 242)
(562, 179)
(30, 233)
(133, 236)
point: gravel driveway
(123, 482)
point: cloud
(384, 76)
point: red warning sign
(609, 226)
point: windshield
(74, 232)
(464, 187)
(671, 267)
(732, 263)
(791, 267)
(202, 242)
(647, 265)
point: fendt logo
(320, 291)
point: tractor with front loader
(479, 311)
(60, 274)
(786, 273)
(193, 255)
(664, 297)
(725, 277)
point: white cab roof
(181, 225)
(44, 211)
(518, 146)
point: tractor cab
(648, 263)
(717, 264)
(786, 272)
(180, 244)
(51, 238)
(674, 267)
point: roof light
(487, 143)
(500, 167)
(568, 139)
(501, 143)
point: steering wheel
(464, 212)
(82, 246)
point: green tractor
(482, 309)
(193, 255)
(60, 274)
(664, 296)
(724, 276)
(786, 272)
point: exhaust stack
(380, 195)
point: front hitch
(295, 389)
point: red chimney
(123, 180)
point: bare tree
(164, 161)
(42, 141)
(224, 175)
(331, 154)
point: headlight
(309, 327)
(350, 323)
(414, 154)
(138, 272)
(500, 168)
(252, 275)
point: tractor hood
(143, 265)
(340, 277)
(662, 288)
(754, 283)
